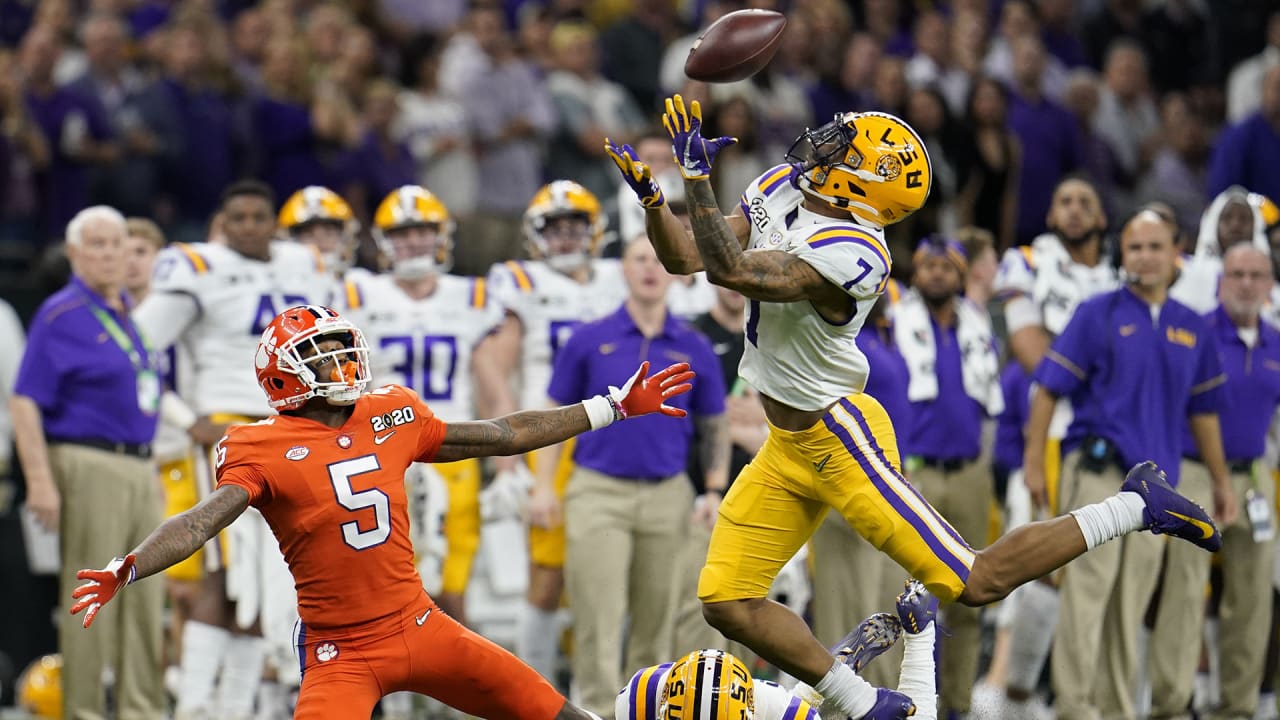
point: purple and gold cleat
(917, 607)
(868, 641)
(1167, 512)
(890, 705)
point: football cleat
(917, 607)
(868, 641)
(890, 705)
(1167, 512)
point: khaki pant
(963, 497)
(624, 544)
(691, 630)
(1174, 651)
(1104, 595)
(852, 580)
(110, 503)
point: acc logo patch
(326, 652)
(297, 452)
(889, 167)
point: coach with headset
(1134, 363)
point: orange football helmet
(287, 374)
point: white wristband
(600, 411)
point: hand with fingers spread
(637, 175)
(102, 586)
(694, 154)
(645, 395)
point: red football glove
(102, 586)
(644, 395)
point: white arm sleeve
(1021, 312)
(14, 342)
(917, 678)
(163, 316)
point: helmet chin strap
(415, 268)
(567, 262)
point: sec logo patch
(326, 652)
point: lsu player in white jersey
(806, 247)
(426, 329)
(545, 299)
(214, 300)
(323, 221)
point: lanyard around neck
(121, 338)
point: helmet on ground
(563, 225)
(708, 685)
(870, 164)
(320, 217)
(289, 352)
(414, 230)
(40, 687)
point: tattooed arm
(675, 246)
(181, 535)
(714, 450)
(512, 434)
(766, 275)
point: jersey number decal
(438, 364)
(866, 270)
(560, 331)
(340, 474)
(267, 311)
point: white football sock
(203, 647)
(537, 640)
(241, 675)
(1031, 635)
(1118, 515)
(917, 680)
(842, 690)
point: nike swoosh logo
(1203, 526)
(820, 465)
(422, 618)
(379, 439)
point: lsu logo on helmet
(871, 165)
(564, 246)
(319, 217)
(708, 685)
(413, 229)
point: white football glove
(508, 495)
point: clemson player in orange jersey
(327, 474)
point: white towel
(979, 365)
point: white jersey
(792, 353)
(550, 305)
(425, 344)
(216, 303)
(640, 697)
(1044, 274)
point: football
(736, 46)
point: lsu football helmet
(564, 246)
(319, 217)
(40, 688)
(414, 230)
(708, 685)
(869, 164)
(286, 372)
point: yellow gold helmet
(870, 164)
(319, 217)
(414, 230)
(1270, 212)
(708, 685)
(40, 687)
(564, 246)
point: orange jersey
(335, 499)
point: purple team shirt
(887, 379)
(949, 427)
(1133, 380)
(607, 352)
(83, 383)
(1015, 386)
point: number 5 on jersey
(340, 474)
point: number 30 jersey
(335, 499)
(426, 344)
(550, 305)
(792, 353)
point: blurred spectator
(60, 17)
(381, 162)
(1178, 172)
(588, 108)
(1178, 36)
(77, 130)
(144, 124)
(1126, 116)
(739, 164)
(984, 263)
(932, 65)
(1231, 219)
(1099, 162)
(988, 192)
(84, 411)
(927, 112)
(13, 343)
(807, 55)
(1018, 20)
(1048, 135)
(143, 240)
(888, 87)
(968, 48)
(24, 154)
(1244, 85)
(405, 18)
(1248, 152)
(213, 129)
(250, 31)
(1109, 21)
(633, 49)
(849, 89)
(1057, 30)
(434, 126)
(511, 114)
(882, 18)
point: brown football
(736, 46)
